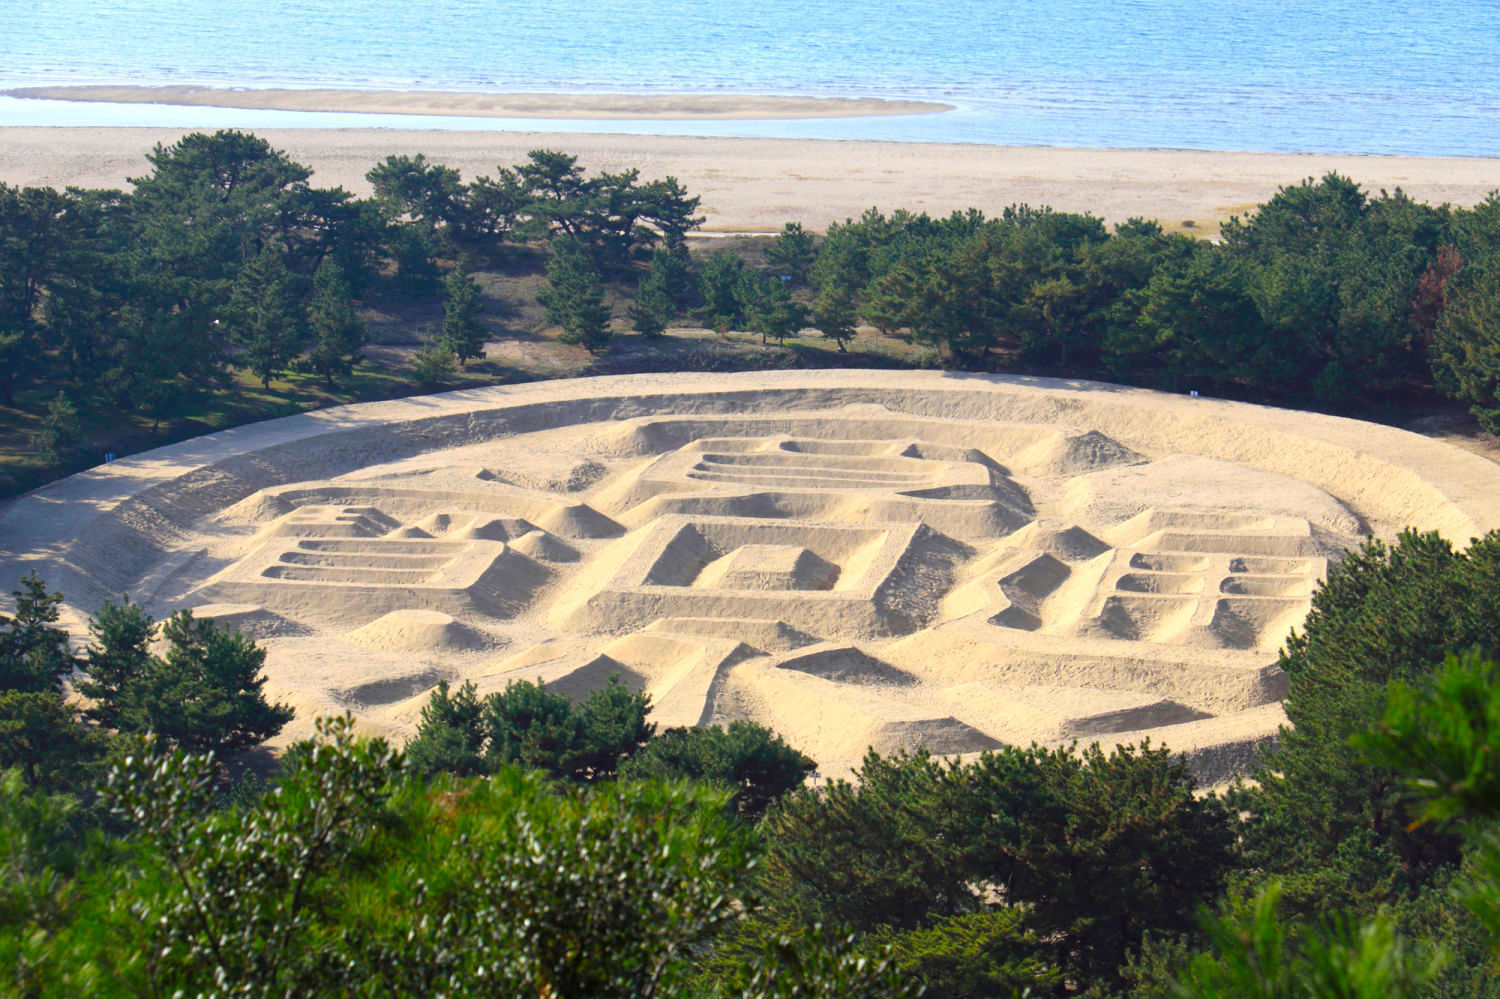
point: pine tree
(426, 196)
(338, 333)
(527, 724)
(146, 370)
(1466, 346)
(720, 283)
(833, 314)
(745, 757)
(40, 732)
(677, 277)
(42, 735)
(842, 261)
(60, 430)
(265, 317)
(792, 254)
(653, 298)
(1337, 828)
(416, 269)
(203, 695)
(16, 351)
(770, 308)
(462, 332)
(450, 737)
(669, 209)
(34, 653)
(118, 655)
(1053, 317)
(1195, 321)
(434, 364)
(573, 297)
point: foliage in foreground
(1331, 824)
(41, 733)
(599, 738)
(203, 692)
(1370, 864)
(748, 759)
(527, 725)
(1022, 869)
(1442, 739)
(351, 878)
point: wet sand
(673, 107)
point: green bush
(528, 725)
(746, 758)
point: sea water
(1356, 76)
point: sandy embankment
(673, 107)
(757, 184)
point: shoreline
(755, 185)
(472, 104)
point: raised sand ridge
(856, 559)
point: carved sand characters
(856, 559)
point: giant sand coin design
(855, 559)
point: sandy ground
(672, 107)
(758, 184)
(853, 558)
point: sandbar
(674, 107)
(756, 185)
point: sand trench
(856, 559)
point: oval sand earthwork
(853, 558)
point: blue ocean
(1348, 76)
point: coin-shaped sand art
(855, 559)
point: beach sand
(751, 185)
(486, 105)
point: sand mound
(1054, 713)
(840, 721)
(416, 631)
(256, 509)
(257, 622)
(578, 520)
(540, 545)
(1066, 541)
(1075, 454)
(854, 559)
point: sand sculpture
(856, 559)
